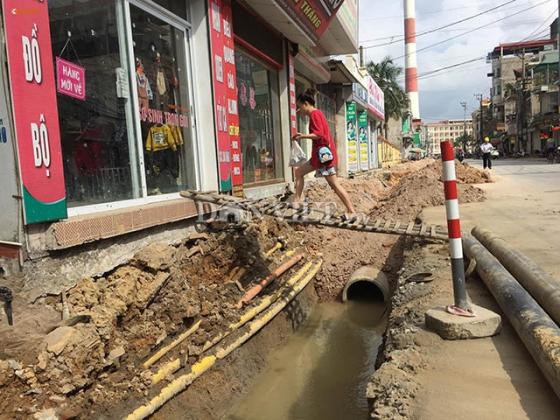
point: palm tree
(386, 74)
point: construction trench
(244, 321)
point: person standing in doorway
(323, 154)
(486, 148)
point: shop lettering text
(71, 79)
(230, 81)
(154, 116)
(216, 16)
(309, 12)
(232, 106)
(227, 29)
(222, 118)
(32, 57)
(40, 140)
(3, 133)
(223, 156)
(229, 55)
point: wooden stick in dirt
(255, 290)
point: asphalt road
(496, 378)
(523, 207)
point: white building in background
(445, 130)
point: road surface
(496, 378)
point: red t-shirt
(318, 125)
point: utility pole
(464, 105)
(479, 97)
(362, 63)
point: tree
(386, 73)
(466, 142)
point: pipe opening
(364, 291)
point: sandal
(349, 217)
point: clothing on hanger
(160, 137)
(145, 94)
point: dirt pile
(364, 192)
(424, 188)
(114, 322)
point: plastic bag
(297, 155)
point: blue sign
(360, 94)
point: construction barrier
(461, 306)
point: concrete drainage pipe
(367, 280)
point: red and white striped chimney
(411, 65)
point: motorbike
(553, 156)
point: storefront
(129, 133)
(364, 113)
(119, 96)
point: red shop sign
(30, 64)
(224, 81)
(313, 16)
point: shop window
(258, 120)
(96, 144)
(177, 7)
(161, 81)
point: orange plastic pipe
(255, 290)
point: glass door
(160, 55)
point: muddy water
(322, 372)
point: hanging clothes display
(145, 94)
(161, 137)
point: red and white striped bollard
(462, 306)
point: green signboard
(363, 140)
(351, 137)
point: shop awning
(279, 19)
(311, 68)
(341, 37)
(340, 74)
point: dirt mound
(424, 188)
(363, 191)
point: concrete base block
(452, 327)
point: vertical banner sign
(292, 86)
(376, 99)
(352, 142)
(225, 95)
(30, 62)
(230, 77)
(363, 140)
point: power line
(472, 60)
(450, 24)
(455, 69)
(434, 12)
(401, 36)
(541, 25)
(476, 29)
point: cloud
(440, 95)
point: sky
(441, 95)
